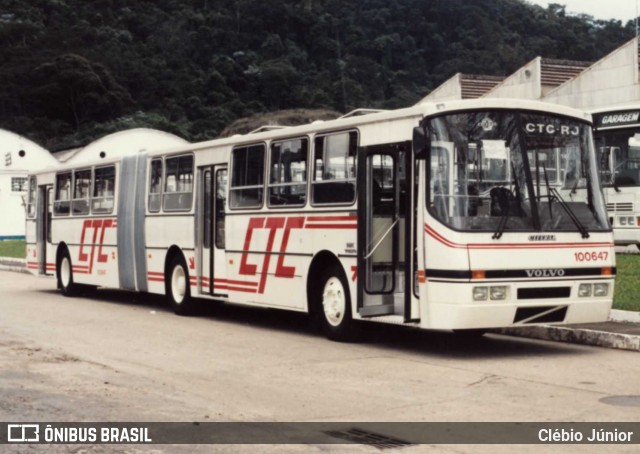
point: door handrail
(366, 257)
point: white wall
(610, 81)
(12, 219)
(18, 157)
(447, 91)
(525, 83)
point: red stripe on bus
(235, 289)
(331, 218)
(156, 279)
(233, 282)
(331, 226)
(156, 273)
(451, 244)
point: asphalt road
(117, 356)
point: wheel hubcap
(65, 272)
(334, 301)
(178, 284)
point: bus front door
(212, 227)
(383, 196)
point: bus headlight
(600, 289)
(480, 293)
(626, 220)
(584, 290)
(498, 293)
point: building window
(288, 173)
(19, 184)
(334, 178)
(62, 201)
(178, 185)
(247, 178)
(103, 190)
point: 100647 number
(592, 256)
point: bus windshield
(619, 157)
(528, 171)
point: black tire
(64, 269)
(178, 289)
(332, 306)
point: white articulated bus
(430, 216)
(617, 138)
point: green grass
(13, 248)
(627, 293)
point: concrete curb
(577, 336)
(13, 264)
(624, 316)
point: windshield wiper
(549, 196)
(614, 184)
(501, 226)
(581, 228)
(505, 216)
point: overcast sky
(623, 10)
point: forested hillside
(73, 70)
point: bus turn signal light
(606, 271)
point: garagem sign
(616, 118)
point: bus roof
(371, 122)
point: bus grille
(622, 206)
(540, 314)
(543, 292)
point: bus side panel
(161, 233)
(32, 247)
(269, 256)
(92, 248)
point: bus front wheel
(178, 290)
(65, 275)
(334, 306)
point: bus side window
(31, 197)
(247, 177)
(155, 186)
(81, 185)
(334, 179)
(62, 203)
(178, 189)
(221, 200)
(103, 190)
(288, 176)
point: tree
(75, 90)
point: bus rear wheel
(178, 290)
(333, 306)
(65, 275)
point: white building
(20, 156)
(611, 81)
(462, 86)
(124, 143)
(537, 79)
